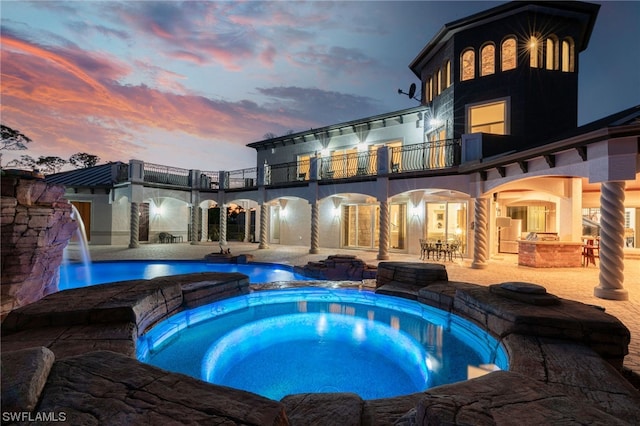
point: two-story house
(492, 154)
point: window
(488, 60)
(304, 164)
(551, 53)
(567, 55)
(430, 89)
(488, 118)
(467, 65)
(439, 83)
(447, 74)
(509, 54)
(535, 53)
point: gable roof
(102, 176)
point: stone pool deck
(73, 352)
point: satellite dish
(412, 90)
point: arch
(535, 52)
(447, 74)
(487, 59)
(468, 64)
(568, 58)
(551, 53)
(509, 54)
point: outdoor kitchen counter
(549, 254)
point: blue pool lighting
(74, 275)
(280, 342)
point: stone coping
(557, 369)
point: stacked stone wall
(36, 227)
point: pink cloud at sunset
(190, 84)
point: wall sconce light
(324, 152)
(336, 212)
(415, 211)
(156, 210)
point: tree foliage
(82, 160)
(13, 139)
(46, 164)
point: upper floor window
(508, 54)
(439, 82)
(489, 117)
(551, 53)
(429, 89)
(535, 53)
(467, 65)
(447, 74)
(567, 55)
(488, 60)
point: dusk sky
(189, 84)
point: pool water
(281, 342)
(74, 275)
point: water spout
(82, 274)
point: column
(481, 234)
(247, 225)
(612, 242)
(134, 227)
(264, 230)
(195, 224)
(223, 225)
(315, 228)
(383, 249)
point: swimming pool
(74, 275)
(276, 343)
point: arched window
(429, 89)
(551, 53)
(447, 74)
(535, 53)
(509, 57)
(467, 65)
(567, 55)
(488, 60)
(439, 82)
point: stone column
(481, 234)
(247, 225)
(315, 228)
(264, 230)
(195, 224)
(612, 242)
(134, 226)
(383, 249)
(223, 225)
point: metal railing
(244, 178)
(426, 156)
(122, 173)
(349, 165)
(296, 171)
(157, 173)
(209, 180)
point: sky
(190, 84)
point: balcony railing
(209, 180)
(349, 165)
(238, 179)
(426, 156)
(156, 173)
(296, 171)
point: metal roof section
(102, 176)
